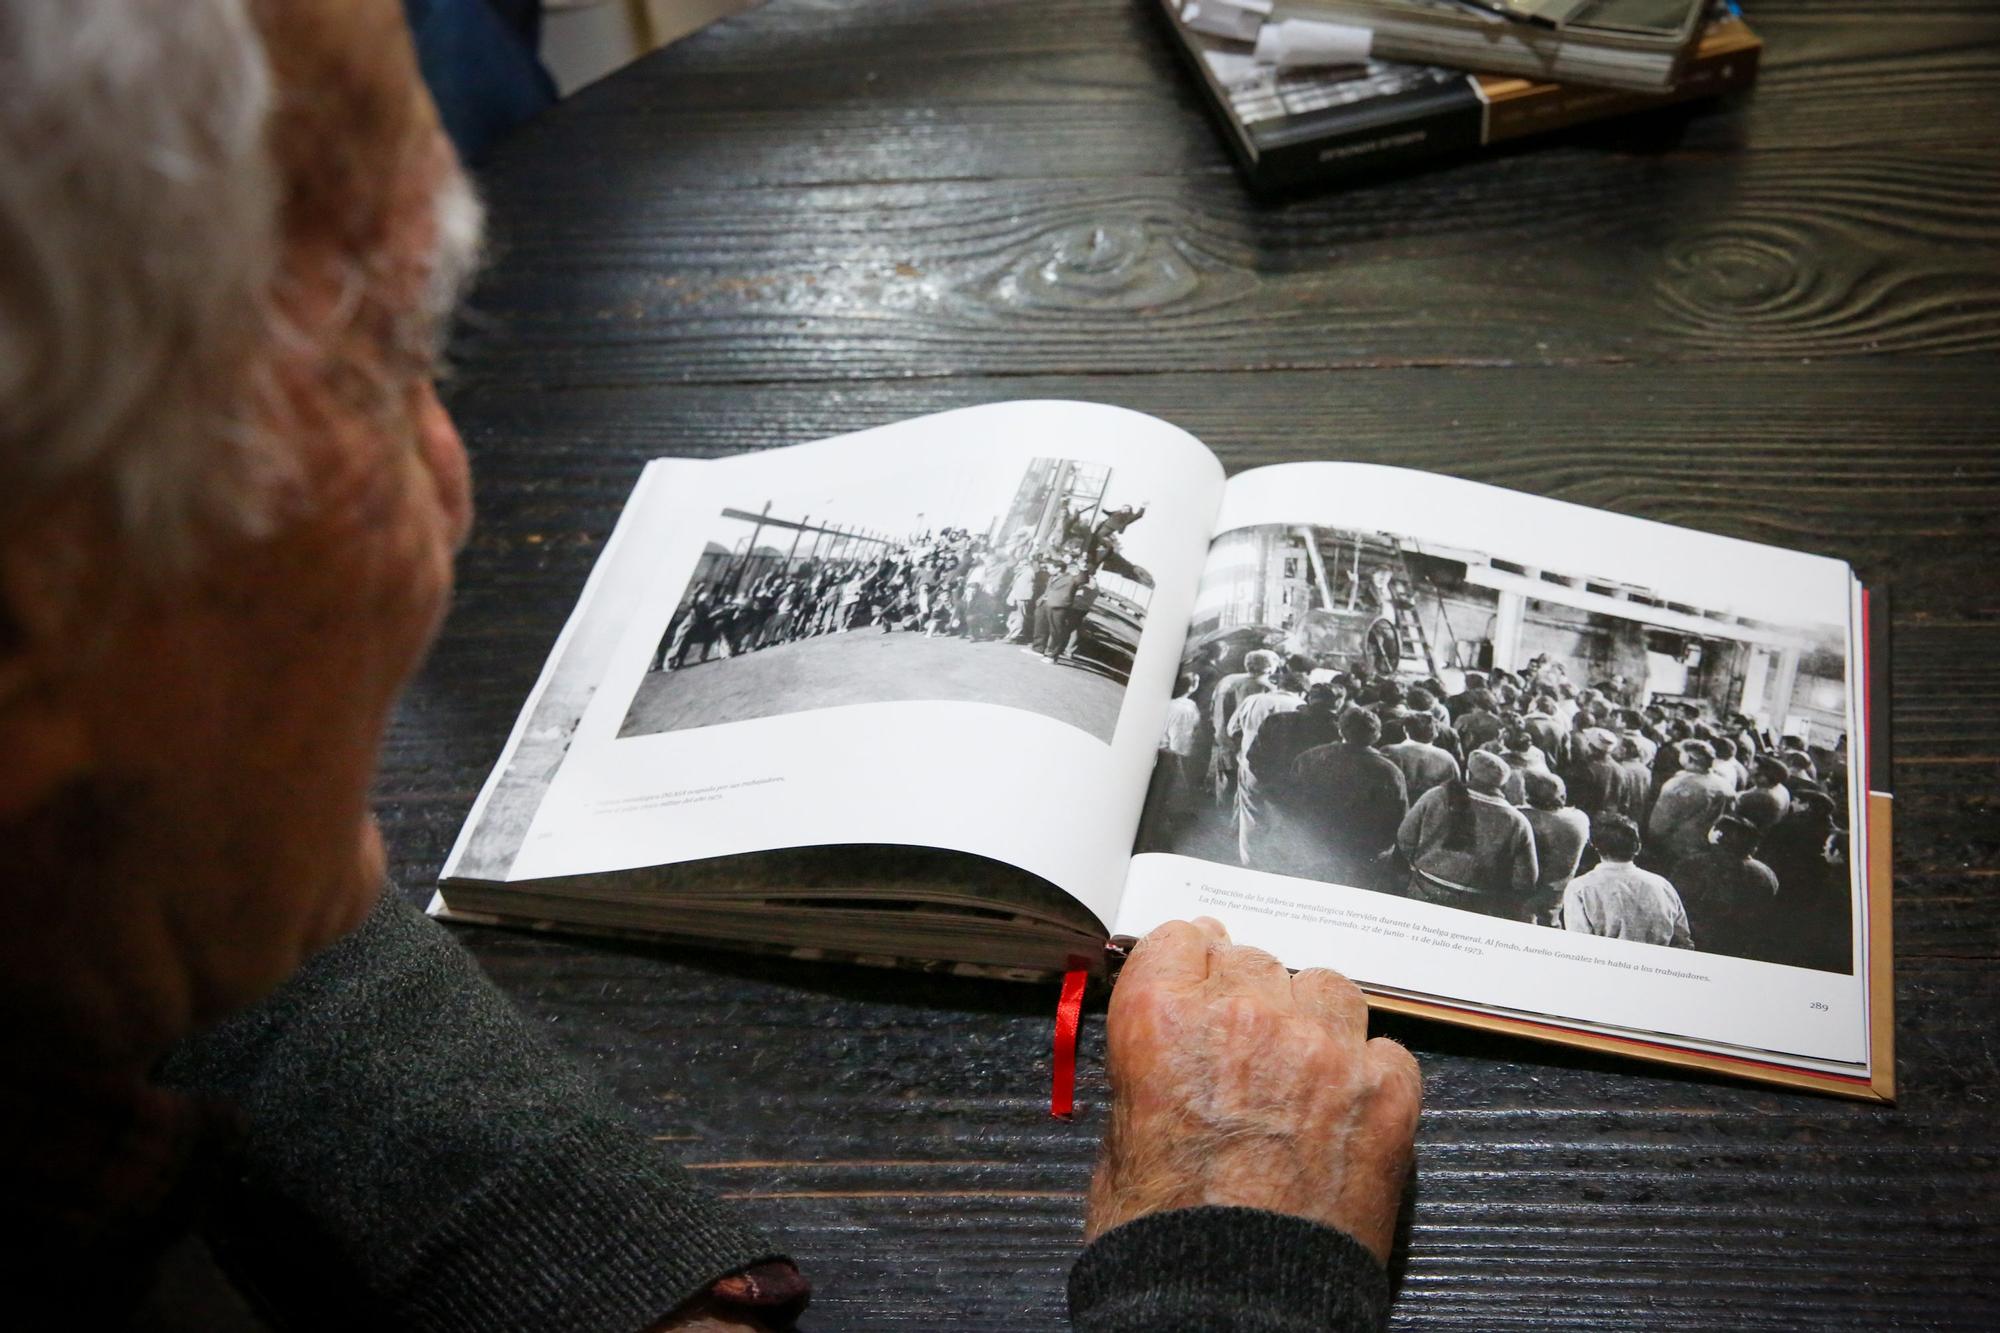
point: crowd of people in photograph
(947, 582)
(1523, 795)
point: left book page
(956, 632)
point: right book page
(1532, 766)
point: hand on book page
(1236, 1083)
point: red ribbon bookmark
(1069, 1012)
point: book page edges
(1878, 1088)
(1881, 948)
(475, 817)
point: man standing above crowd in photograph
(1348, 801)
(1467, 846)
(1104, 536)
(1424, 764)
(1618, 900)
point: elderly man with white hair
(231, 235)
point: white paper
(1237, 20)
(1307, 43)
(1006, 782)
(1809, 1018)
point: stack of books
(1311, 92)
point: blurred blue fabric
(478, 56)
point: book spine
(1372, 137)
(1515, 111)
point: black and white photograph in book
(1363, 709)
(1025, 587)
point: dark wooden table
(1775, 319)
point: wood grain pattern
(1775, 319)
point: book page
(1522, 757)
(957, 632)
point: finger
(1334, 1000)
(1174, 955)
(1396, 1073)
(1238, 969)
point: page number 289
(1821, 1005)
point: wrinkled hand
(1235, 1083)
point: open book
(1000, 690)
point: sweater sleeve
(416, 1158)
(1227, 1270)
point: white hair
(140, 232)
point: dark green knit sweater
(417, 1158)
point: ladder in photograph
(1412, 642)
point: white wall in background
(584, 40)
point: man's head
(229, 497)
(1615, 837)
(1419, 699)
(1518, 740)
(1261, 661)
(1358, 726)
(1485, 772)
(1737, 835)
(1697, 756)
(1545, 790)
(1767, 771)
(1421, 727)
